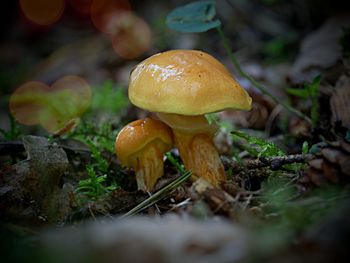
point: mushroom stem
(148, 166)
(200, 156)
(141, 145)
(193, 137)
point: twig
(278, 161)
(274, 163)
(253, 81)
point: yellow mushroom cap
(187, 82)
(138, 134)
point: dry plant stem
(148, 167)
(254, 82)
(278, 161)
(274, 163)
(158, 195)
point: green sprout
(309, 92)
(93, 187)
(14, 131)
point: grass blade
(158, 195)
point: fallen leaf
(30, 188)
(319, 50)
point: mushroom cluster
(180, 87)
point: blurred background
(101, 41)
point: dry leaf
(319, 50)
(30, 188)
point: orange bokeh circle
(52, 107)
(69, 97)
(43, 12)
(28, 101)
(131, 35)
(102, 11)
(75, 92)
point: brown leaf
(317, 177)
(319, 50)
(331, 165)
(316, 163)
(331, 155)
(344, 163)
(330, 172)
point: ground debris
(116, 202)
(219, 201)
(274, 163)
(30, 189)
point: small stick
(274, 163)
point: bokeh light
(28, 102)
(131, 36)
(69, 97)
(74, 92)
(102, 11)
(52, 107)
(43, 12)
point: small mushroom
(181, 86)
(141, 145)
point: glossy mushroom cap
(138, 134)
(186, 82)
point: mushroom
(141, 145)
(181, 86)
